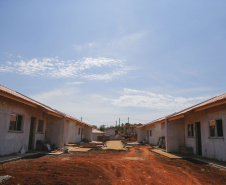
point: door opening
(32, 133)
(198, 138)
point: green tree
(102, 127)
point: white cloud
(72, 101)
(89, 68)
(97, 109)
(144, 99)
(118, 46)
(75, 83)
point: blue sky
(104, 60)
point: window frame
(216, 131)
(18, 117)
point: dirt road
(137, 166)
(114, 145)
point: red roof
(203, 105)
(208, 102)
(24, 99)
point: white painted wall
(156, 133)
(11, 142)
(66, 132)
(176, 135)
(141, 135)
(211, 147)
(87, 133)
(55, 130)
(158, 130)
(75, 136)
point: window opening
(216, 128)
(15, 122)
(219, 128)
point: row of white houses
(25, 122)
(201, 128)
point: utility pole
(119, 121)
(128, 119)
(81, 118)
(116, 123)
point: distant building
(110, 131)
(97, 133)
(131, 129)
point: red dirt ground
(137, 166)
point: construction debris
(22, 150)
(78, 149)
(4, 178)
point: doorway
(198, 138)
(32, 133)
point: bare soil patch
(136, 166)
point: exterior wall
(211, 147)
(158, 130)
(66, 133)
(55, 131)
(156, 133)
(12, 141)
(141, 136)
(87, 133)
(74, 136)
(163, 129)
(176, 135)
(109, 132)
(97, 134)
